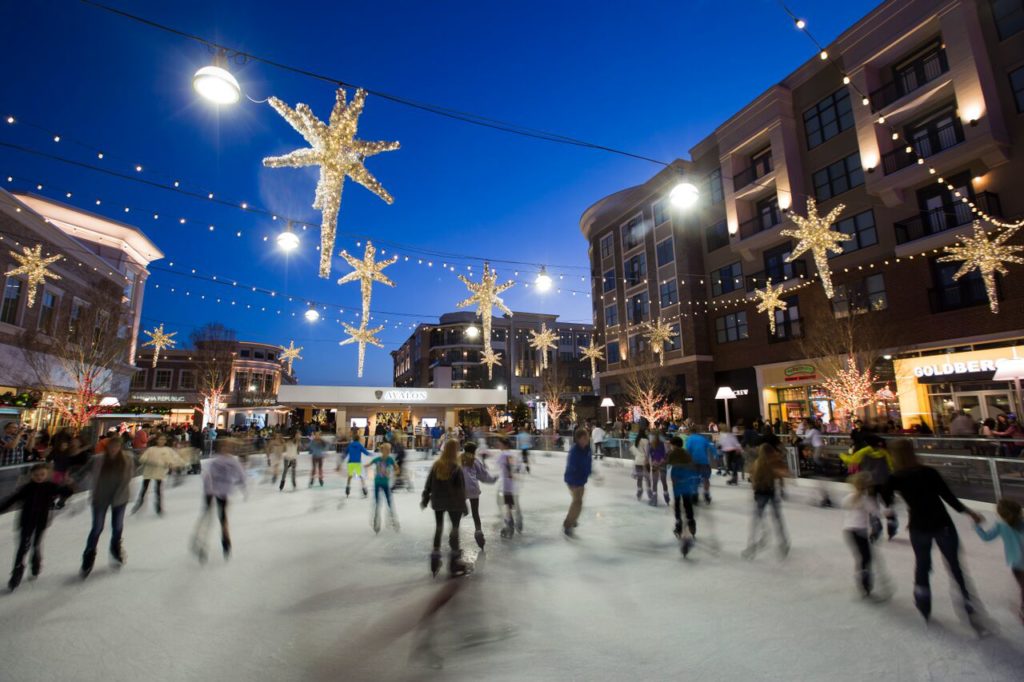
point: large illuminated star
(658, 334)
(291, 353)
(490, 358)
(542, 340)
(986, 256)
(159, 340)
(34, 266)
(770, 300)
(592, 353)
(362, 336)
(367, 271)
(335, 150)
(817, 236)
(485, 296)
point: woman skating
(769, 469)
(222, 475)
(445, 491)
(475, 472)
(156, 460)
(275, 454)
(641, 451)
(112, 472)
(290, 457)
(657, 453)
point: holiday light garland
(485, 296)
(658, 333)
(159, 340)
(490, 358)
(817, 236)
(543, 340)
(986, 256)
(769, 300)
(335, 150)
(290, 354)
(367, 270)
(361, 336)
(592, 353)
(850, 388)
(34, 265)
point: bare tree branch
(215, 347)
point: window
(244, 353)
(187, 379)
(776, 265)
(639, 308)
(666, 254)
(633, 233)
(241, 380)
(936, 132)
(47, 312)
(268, 383)
(12, 301)
(129, 286)
(674, 343)
(637, 346)
(858, 297)
(611, 315)
(731, 327)
(74, 316)
(139, 379)
(726, 279)
(612, 351)
(828, 118)
(1009, 16)
(1017, 85)
(609, 280)
(838, 177)
(660, 210)
(668, 294)
(716, 236)
(715, 191)
(258, 354)
(923, 67)
(761, 163)
(861, 227)
(950, 294)
(636, 269)
(162, 378)
(787, 322)
(768, 213)
(607, 246)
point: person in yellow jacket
(155, 461)
(876, 461)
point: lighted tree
(552, 390)
(851, 388)
(214, 357)
(84, 356)
(645, 392)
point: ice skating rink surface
(310, 593)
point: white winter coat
(157, 460)
(641, 452)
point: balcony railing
(937, 140)
(760, 223)
(945, 217)
(788, 271)
(962, 294)
(910, 78)
(760, 168)
(785, 331)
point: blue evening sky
(650, 77)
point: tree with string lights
(645, 392)
(214, 356)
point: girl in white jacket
(858, 509)
(641, 451)
(155, 461)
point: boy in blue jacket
(686, 480)
(578, 468)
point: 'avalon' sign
(402, 395)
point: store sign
(740, 391)
(157, 398)
(800, 373)
(401, 396)
(952, 368)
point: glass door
(997, 403)
(970, 404)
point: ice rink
(311, 593)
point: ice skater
(685, 489)
(768, 473)
(275, 453)
(475, 472)
(385, 468)
(156, 460)
(876, 461)
(578, 466)
(112, 472)
(317, 450)
(354, 455)
(1010, 528)
(508, 470)
(656, 453)
(222, 475)
(524, 441)
(641, 451)
(701, 451)
(290, 458)
(445, 492)
(859, 510)
(36, 498)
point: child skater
(36, 498)
(1010, 528)
(475, 472)
(445, 491)
(355, 464)
(860, 510)
(384, 470)
(220, 477)
(508, 469)
(686, 482)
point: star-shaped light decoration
(542, 340)
(159, 340)
(335, 150)
(987, 256)
(291, 354)
(817, 236)
(658, 334)
(362, 336)
(33, 265)
(485, 296)
(769, 300)
(592, 353)
(490, 358)
(367, 271)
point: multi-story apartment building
(915, 86)
(447, 355)
(102, 272)
(250, 398)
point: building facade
(915, 86)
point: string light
(978, 252)
(35, 267)
(769, 300)
(363, 337)
(485, 296)
(658, 333)
(817, 236)
(159, 340)
(291, 353)
(543, 340)
(367, 271)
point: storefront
(173, 408)
(792, 392)
(746, 404)
(932, 388)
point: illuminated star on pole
(542, 340)
(159, 340)
(291, 353)
(367, 270)
(658, 334)
(362, 336)
(592, 353)
(335, 150)
(485, 296)
(490, 358)
(770, 300)
(986, 256)
(33, 265)
(817, 236)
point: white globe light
(684, 195)
(472, 331)
(217, 85)
(543, 281)
(312, 315)
(288, 240)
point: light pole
(607, 404)
(725, 393)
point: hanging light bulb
(801, 24)
(312, 315)
(684, 195)
(543, 281)
(472, 331)
(216, 83)
(288, 240)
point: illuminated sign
(800, 372)
(402, 395)
(740, 391)
(158, 398)
(968, 367)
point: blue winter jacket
(578, 465)
(356, 452)
(1013, 541)
(700, 449)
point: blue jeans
(99, 518)
(382, 489)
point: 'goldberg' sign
(402, 395)
(969, 367)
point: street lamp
(684, 195)
(288, 240)
(215, 83)
(312, 314)
(543, 281)
(472, 331)
(725, 393)
(607, 404)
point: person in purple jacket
(220, 477)
(475, 472)
(578, 467)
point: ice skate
(376, 523)
(749, 553)
(707, 498)
(117, 556)
(347, 491)
(678, 532)
(457, 567)
(569, 533)
(88, 560)
(37, 566)
(923, 601)
(783, 549)
(687, 544)
(639, 494)
(480, 542)
(394, 522)
(226, 547)
(435, 562)
(365, 494)
(653, 502)
(16, 575)
(667, 499)
(509, 530)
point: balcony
(788, 271)
(909, 78)
(962, 294)
(936, 140)
(761, 167)
(945, 217)
(784, 331)
(760, 223)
